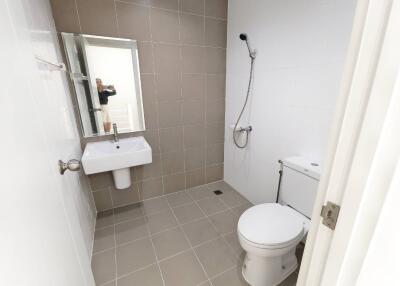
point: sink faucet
(115, 129)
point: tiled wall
(182, 48)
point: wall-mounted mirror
(106, 80)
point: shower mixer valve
(245, 129)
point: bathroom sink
(117, 157)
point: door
(362, 172)
(41, 215)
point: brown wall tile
(192, 29)
(97, 17)
(174, 183)
(193, 6)
(133, 21)
(164, 25)
(65, 15)
(216, 8)
(215, 32)
(182, 63)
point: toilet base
(268, 271)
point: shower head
(252, 53)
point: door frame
(367, 93)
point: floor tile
(128, 212)
(211, 205)
(187, 213)
(233, 241)
(216, 256)
(182, 270)
(233, 199)
(206, 283)
(170, 242)
(199, 231)
(179, 198)
(231, 277)
(134, 255)
(149, 276)
(103, 266)
(225, 222)
(103, 239)
(290, 281)
(131, 230)
(161, 221)
(156, 205)
(222, 186)
(105, 218)
(200, 192)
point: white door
(362, 173)
(42, 216)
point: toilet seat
(271, 226)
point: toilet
(270, 232)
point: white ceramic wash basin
(117, 157)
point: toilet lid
(270, 225)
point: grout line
(173, 10)
(155, 252)
(191, 247)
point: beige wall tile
(133, 21)
(194, 136)
(174, 183)
(215, 154)
(171, 139)
(152, 170)
(166, 4)
(164, 25)
(195, 178)
(102, 199)
(152, 138)
(170, 113)
(193, 112)
(215, 111)
(150, 188)
(101, 181)
(65, 16)
(216, 8)
(193, 59)
(193, 86)
(146, 61)
(215, 86)
(151, 115)
(97, 17)
(193, 6)
(215, 133)
(194, 158)
(167, 58)
(173, 162)
(148, 88)
(183, 85)
(192, 29)
(214, 173)
(125, 197)
(168, 86)
(216, 60)
(215, 32)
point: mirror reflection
(105, 77)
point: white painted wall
(301, 47)
(46, 220)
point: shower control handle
(72, 165)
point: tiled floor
(183, 239)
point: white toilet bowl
(269, 233)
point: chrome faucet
(115, 129)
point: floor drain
(218, 192)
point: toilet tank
(299, 184)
